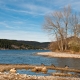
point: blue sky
(23, 19)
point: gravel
(17, 76)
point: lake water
(28, 57)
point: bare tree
(59, 23)
(66, 13)
(75, 26)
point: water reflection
(29, 72)
(72, 63)
(27, 57)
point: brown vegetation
(72, 45)
(63, 24)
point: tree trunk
(61, 45)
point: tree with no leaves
(62, 24)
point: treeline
(14, 44)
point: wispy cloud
(25, 17)
(5, 25)
(40, 8)
(11, 24)
(27, 8)
(36, 8)
(22, 35)
(20, 25)
(36, 11)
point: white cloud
(23, 35)
(37, 11)
(43, 6)
(5, 25)
(20, 25)
(11, 9)
(36, 8)
(27, 8)
(18, 22)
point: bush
(53, 46)
(74, 46)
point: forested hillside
(15, 44)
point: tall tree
(60, 23)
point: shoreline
(16, 76)
(59, 54)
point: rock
(13, 70)
(37, 69)
(66, 66)
(44, 69)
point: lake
(28, 57)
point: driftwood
(39, 69)
(7, 67)
(62, 74)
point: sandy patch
(60, 55)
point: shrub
(74, 46)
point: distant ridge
(20, 44)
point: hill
(17, 44)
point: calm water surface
(28, 57)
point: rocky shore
(17, 76)
(59, 55)
(9, 72)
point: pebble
(15, 76)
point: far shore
(59, 54)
